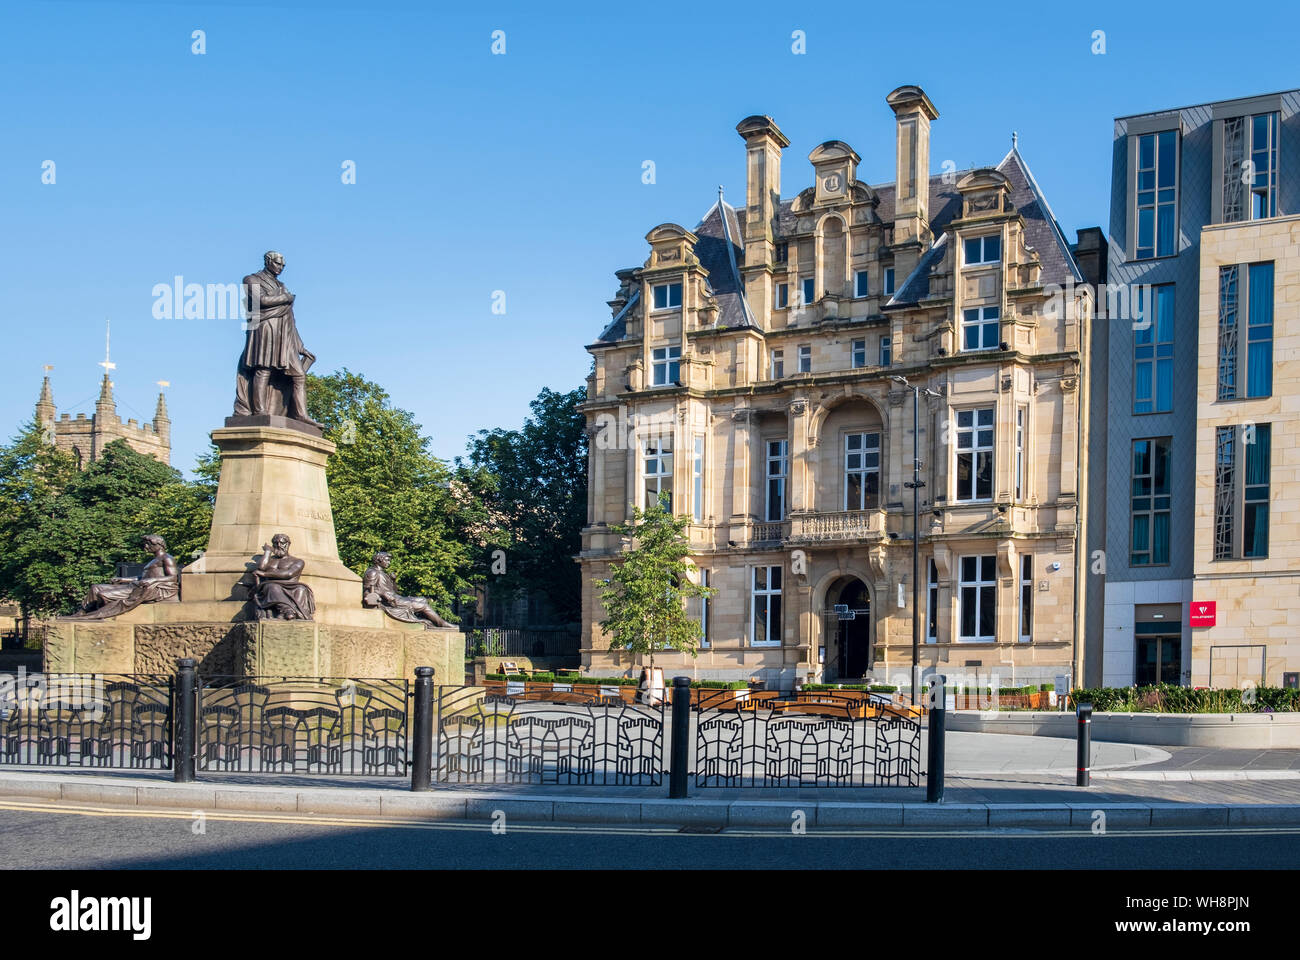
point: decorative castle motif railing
(771, 748)
(545, 738)
(86, 720)
(303, 725)
(841, 525)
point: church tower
(85, 438)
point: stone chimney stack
(913, 112)
(764, 142)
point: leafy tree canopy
(645, 596)
(540, 498)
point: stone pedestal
(272, 481)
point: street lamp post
(916, 485)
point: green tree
(181, 512)
(389, 493)
(96, 519)
(540, 498)
(645, 596)
(32, 474)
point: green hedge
(1169, 698)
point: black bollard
(938, 711)
(1082, 779)
(185, 746)
(680, 755)
(422, 730)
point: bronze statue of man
(159, 581)
(278, 594)
(272, 378)
(379, 589)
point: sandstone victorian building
(751, 372)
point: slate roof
(717, 239)
(1042, 232)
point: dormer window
(983, 250)
(667, 296)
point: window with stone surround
(658, 472)
(979, 328)
(704, 610)
(809, 291)
(861, 471)
(765, 629)
(666, 365)
(1026, 597)
(859, 353)
(667, 296)
(805, 359)
(974, 455)
(980, 251)
(778, 461)
(697, 481)
(932, 604)
(782, 296)
(886, 346)
(978, 596)
(860, 284)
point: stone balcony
(842, 526)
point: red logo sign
(1203, 612)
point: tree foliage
(389, 493)
(645, 596)
(66, 529)
(540, 498)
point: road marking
(668, 830)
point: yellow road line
(325, 820)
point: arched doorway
(847, 621)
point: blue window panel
(1259, 332)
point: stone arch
(817, 419)
(823, 596)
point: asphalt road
(38, 835)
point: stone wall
(268, 648)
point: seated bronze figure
(278, 594)
(379, 589)
(159, 581)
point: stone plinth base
(272, 481)
(248, 648)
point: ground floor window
(932, 605)
(978, 592)
(766, 594)
(1159, 655)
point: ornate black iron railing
(303, 725)
(761, 747)
(86, 720)
(545, 738)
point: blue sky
(478, 172)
